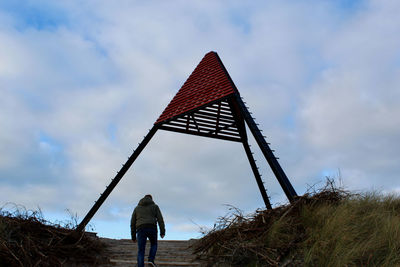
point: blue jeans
(142, 235)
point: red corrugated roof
(207, 83)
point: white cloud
(323, 86)
(186, 227)
(352, 111)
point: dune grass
(330, 227)
(363, 230)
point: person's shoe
(152, 264)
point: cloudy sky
(81, 82)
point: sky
(81, 83)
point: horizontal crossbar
(178, 130)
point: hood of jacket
(146, 201)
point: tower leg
(256, 174)
(268, 154)
(116, 179)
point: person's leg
(141, 241)
(152, 234)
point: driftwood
(26, 239)
(238, 240)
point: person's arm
(133, 226)
(160, 221)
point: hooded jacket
(146, 214)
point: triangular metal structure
(209, 105)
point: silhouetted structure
(208, 104)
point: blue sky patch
(351, 5)
(52, 143)
(240, 18)
(37, 15)
(112, 132)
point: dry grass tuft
(328, 227)
(26, 239)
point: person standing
(144, 221)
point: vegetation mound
(328, 227)
(26, 239)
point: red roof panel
(207, 83)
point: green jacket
(146, 214)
